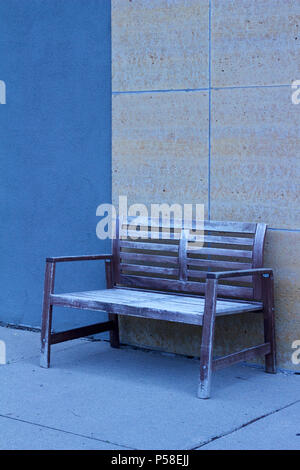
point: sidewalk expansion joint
(66, 432)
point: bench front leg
(114, 332)
(206, 352)
(47, 315)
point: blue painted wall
(55, 149)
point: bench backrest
(180, 264)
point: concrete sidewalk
(95, 397)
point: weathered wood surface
(135, 268)
(212, 225)
(148, 245)
(240, 273)
(182, 255)
(269, 321)
(258, 258)
(64, 259)
(159, 305)
(47, 314)
(244, 355)
(150, 261)
(217, 240)
(219, 265)
(114, 331)
(143, 257)
(174, 285)
(206, 352)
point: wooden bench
(177, 280)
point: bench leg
(269, 321)
(206, 352)
(47, 316)
(114, 333)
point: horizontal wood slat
(126, 256)
(223, 252)
(217, 226)
(148, 235)
(150, 269)
(223, 240)
(146, 282)
(145, 234)
(162, 247)
(218, 264)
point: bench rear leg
(269, 321)
(114, 333)
(47, 316)
(206, 352)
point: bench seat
(149, 304)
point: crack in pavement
(198, 446)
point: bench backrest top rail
(176, 255)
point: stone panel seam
(209, 107)
(210, 88)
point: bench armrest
(60, 259)
(51, 265)
(239, 273)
